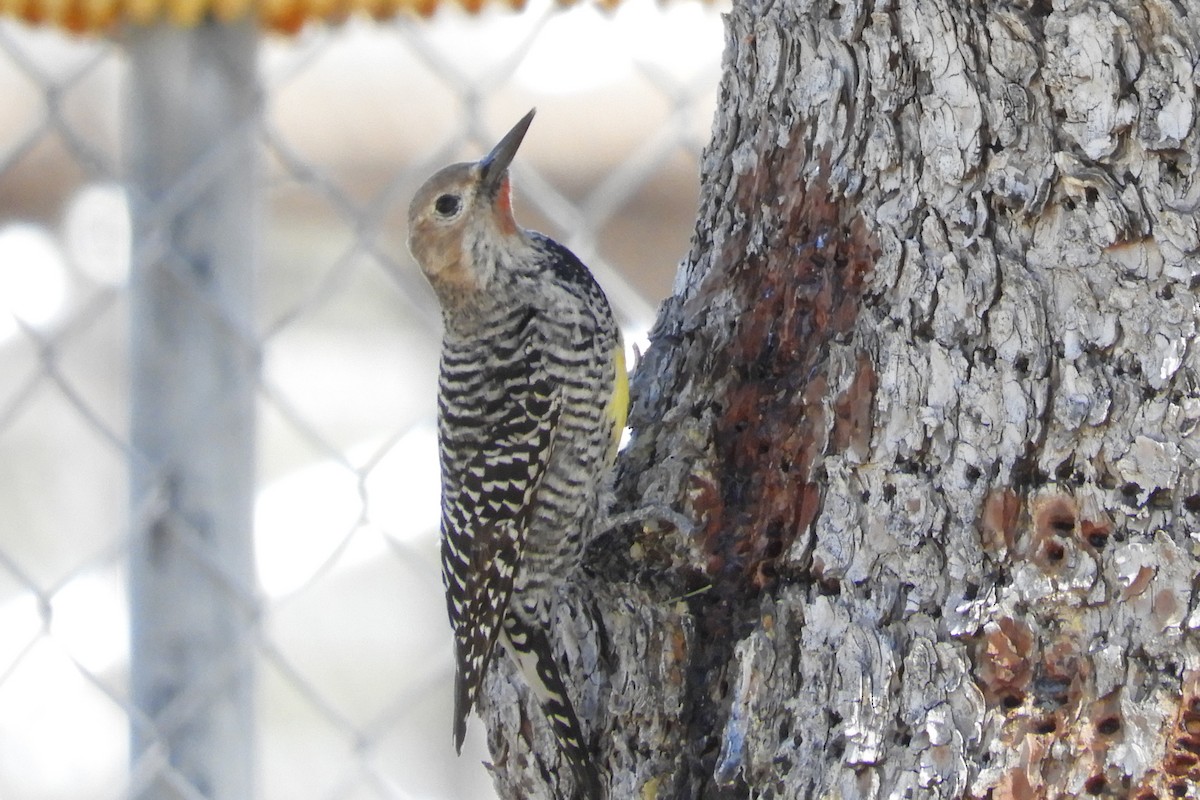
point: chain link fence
(218, 364)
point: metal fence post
(189, 129)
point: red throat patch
(503, 206)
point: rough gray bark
(927, 388)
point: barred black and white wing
(497, 428)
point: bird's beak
(493, 166)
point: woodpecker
(532, 399)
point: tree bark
(927, 390)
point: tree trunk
(927, 390)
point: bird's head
(458, 212)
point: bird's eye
(447, 205)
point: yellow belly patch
(618, 403)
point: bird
(532, 401)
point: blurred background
(351, 647)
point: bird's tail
(530, 649)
